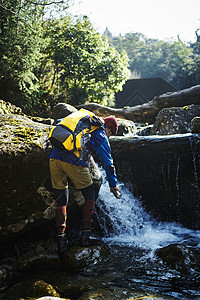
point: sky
(159, 19)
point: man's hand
(114, 188)
(115, 191)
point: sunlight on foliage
(47, 57)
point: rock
(40, 256)
(8, 108)
(51, 298)
(144, 130)
(4, 274)
(78, 258)
(32, 290)
(178, 257)
(24, 165)
(27, 198)
(195, 125)
(47, 121)
(175, 120)
(126, 127)
(114, 292)
(61, 110)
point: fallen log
(146, 113)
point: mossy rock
(25, 179)
(8, 108)
(31, 290)
(27, 199)
(19, 135)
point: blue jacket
(100, 144)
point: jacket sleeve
(101, 146)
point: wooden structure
(140, 91)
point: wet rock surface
(126, 127)
(179, 257)
(101, 273)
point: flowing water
(134, 236)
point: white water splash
(125, 221)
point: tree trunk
(146, 113)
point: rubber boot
(88, 216)
(85, 238)
(62, 242)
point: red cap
(111, 123)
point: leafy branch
(37, 3)
(32, 2)
(7, 9)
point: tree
(88, 68)
(172, 60)
(44, 60)
(194, 75)
(22, 46)
(107, 33)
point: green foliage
(194, 75)
(22, 45)
(43, 60)
(47, 57)
(21, 41)
(173, 60)
(88, 68)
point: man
(65, 164)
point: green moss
(40, 287)
(25, 132)
(19, 137)
(15, 122)
(7, 108)
(31, 290)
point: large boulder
(79, 258)
(24, 178)
(62, 110)
(175, 120)
(178, 257)
(27, 199)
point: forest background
(48, 56)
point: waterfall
(193, 146)
(125, 221)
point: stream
(133, 237)
(125, 266)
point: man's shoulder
(99, 134)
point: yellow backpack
(73, 132)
